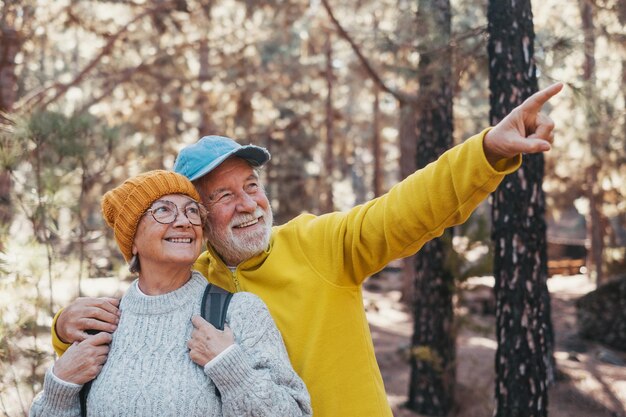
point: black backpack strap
(84, 392)
(213, 309)
(214, 305)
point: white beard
(236, 249)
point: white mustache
(245, 218)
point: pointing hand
(524, 130)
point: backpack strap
(213, 309)
(214, 305)
(84, 392)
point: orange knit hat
(123, 206)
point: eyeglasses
(166, 212)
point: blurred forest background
(92, 92)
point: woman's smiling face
(179, 242)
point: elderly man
(309, 271)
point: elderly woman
(158, 362)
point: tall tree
(329, 157)
(431, 387)
(10, 44)
(425, 131)
(524, 361)
(407, 141)
(595, 218)
(377, 185)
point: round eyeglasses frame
(191, 212)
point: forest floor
(591, 379)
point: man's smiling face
(239, 222)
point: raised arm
(354, 244)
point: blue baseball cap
(202, 157)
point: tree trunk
(524, 360)
(594, 217)
(408, 162)
(594, 220)
(204, 126)
(329, 159)
(624, 89)
(82, 236)
(161, 133)
(379, 174)
(431, 386)
(289, 185)
(10, 44)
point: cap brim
(255, 155)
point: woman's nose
(181, 220)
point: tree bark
(329, 158)
(407, 142)
(431, 386)
(594, 220)
(377, 152)
(594, 217)
(161, 131)
(202, 101)
(10, 44)
(524, 357)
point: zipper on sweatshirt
(233, 274)
(236, 280)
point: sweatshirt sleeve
(58, 399)
(256, 376)
(349, 246)
(59, 346)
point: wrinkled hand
(87, 313)
(206, 341)
(83, 361)
(524, 130)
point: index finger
(537, 100)
(108, 304)
(102, 338)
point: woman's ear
(133, 264)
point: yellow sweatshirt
(310, 276)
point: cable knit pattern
(149, 372)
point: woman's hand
(83, 361)
(206, 341)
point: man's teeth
(250, 223)
(179, 240)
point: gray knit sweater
(149, 372)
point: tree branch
(39, 98)
(399, 95)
